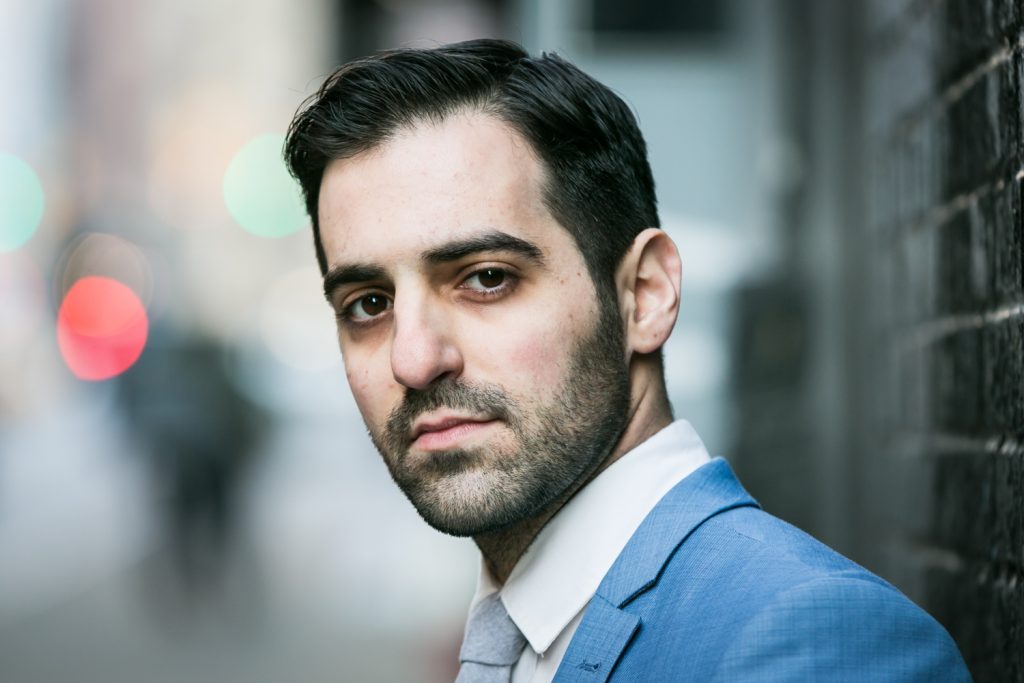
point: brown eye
(490, 283)
(489, 278)
(374, 304)
(369, 306)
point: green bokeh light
(21, 202)
(258, 191)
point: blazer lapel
(606, 628)
(600, 639)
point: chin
(459, 528)
(470, 503)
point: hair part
(598, 185)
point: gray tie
(492, 644)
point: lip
(445, 431)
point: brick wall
(941, 503)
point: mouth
(444, 432)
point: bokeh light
(260, 194)
(21, 202)
(110, 256)
(101, 328)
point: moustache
(454, 394)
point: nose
(422, 345)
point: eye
(487, 279)
(367, 307)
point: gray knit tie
(492, 644)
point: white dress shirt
(556, 577)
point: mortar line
(927, 333)
(915, 445)
(921, 111)
(937, 216)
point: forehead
(433, 182)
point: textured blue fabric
(712, 588)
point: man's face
(490, 377)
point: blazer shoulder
(749, 597)
(711, 587)
(841, 627)
(772, 548)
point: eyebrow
(489, 241)
(348, 274)
(446, 253)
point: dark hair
(599, 185)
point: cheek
(534, 344)
(374, 391)
(537, 359)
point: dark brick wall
(941, 503)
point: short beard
(557, 445)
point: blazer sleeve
(841, 629)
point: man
(487, 229)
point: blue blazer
(712, 588)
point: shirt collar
(560, 572)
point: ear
(648, 283)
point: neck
(650, 413)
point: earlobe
(649, 279)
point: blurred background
(186, 488)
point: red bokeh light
(101, 328)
